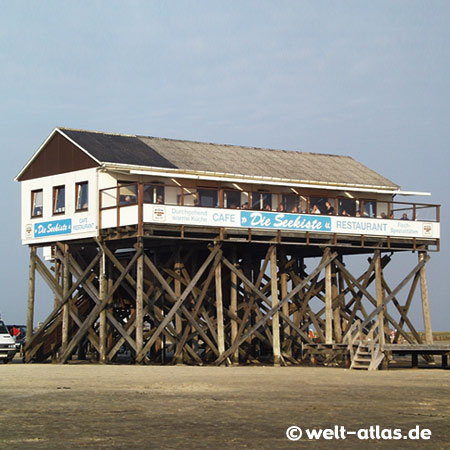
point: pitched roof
(231, 160)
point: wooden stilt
(58, 280)
(177, 290)
(380, 296)
(140, 298)
(276, 316)
(337, 306)
(328, 305)
(283, 292)
(66, 306)
(31, 293)
(425, 300)
(103, 286)
(219, 310)
(234, 306)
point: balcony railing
(115, 201)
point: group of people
(327, 210)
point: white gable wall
(71, 224)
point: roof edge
(158, 171)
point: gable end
(58, 155)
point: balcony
(173, 207)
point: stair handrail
(352, 336)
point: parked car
(19, 333)
(8, 346)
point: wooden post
(337, 309)
(103, 287)
(299, 268)
(140, 299)
(58, 280)
(425, 301)
(380, 296)
(233, 307)
(219, 310)
(328, 306)
(276, 316)
(177, 290)
(31, 293)
(66, 287)
(283, 293)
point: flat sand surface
(125, 406)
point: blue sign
(52, 228)
(283, 221)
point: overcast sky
(360, 78)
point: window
(207, 198)
(290, 203)
(81, 196)
(347, 207)
(317, 205)
(127, 194)
(36, 203)
(59, 199)
(232, 199)
(154, 194)
(262, 201)
(370, 208)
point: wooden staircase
(364, 349)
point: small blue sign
(52, 228)
(283, 221)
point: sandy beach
(122, 406)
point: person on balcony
(329, 210)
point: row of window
(127, 194)
(59, 199)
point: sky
(359, 78)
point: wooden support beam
(234, 305)
(276, 317)
(177, 289)
(140, 297)
(66, 286)
(57, 291)
(325, 260)
(387, 299)
(425, 300)
(95, 312)
(284, 277)
(179, 301)
(103, 287)
(328, 306)
(31, 293)
(199, 301)
(380, 296)
(219, 310)
(336, 305)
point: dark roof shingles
(226, 159)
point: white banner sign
(235, 218)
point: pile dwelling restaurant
(166, 251)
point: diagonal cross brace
(327, 260)
(99, 307)
(179, 301)
(65, 298)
